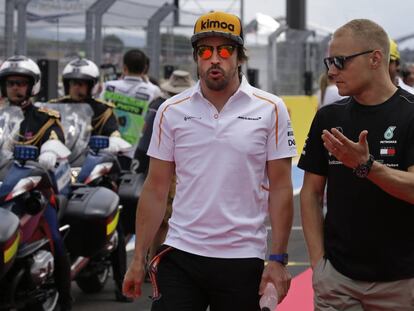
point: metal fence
(297, 57)
(289, 64)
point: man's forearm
(312, 222)
(281, 218)
(399, 184)
(150, 212)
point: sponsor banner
(130, 113)
(301, 109)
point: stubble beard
(218, 84)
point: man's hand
(351, 154)
(277, 274)
(133, 279)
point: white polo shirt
(132, 86)
(220, 205)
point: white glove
(117, 144)
(57, 147)
(48, 160)
(112, 148)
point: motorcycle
(27, 265)
(91, 212)
(95, 163)
(26, 272)
(102, 168)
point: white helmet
(81, 69)
(20, 66)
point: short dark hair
(147, 65)
(135, 60)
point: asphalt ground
(105, 300)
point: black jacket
(40, 125)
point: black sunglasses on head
(339, 61)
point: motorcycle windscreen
(10, 119)
(76, 120)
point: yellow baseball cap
(218, 24)
(394, 53)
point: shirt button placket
(216, 117)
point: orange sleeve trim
(276, 114)
(162, 117)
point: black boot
(63, 282)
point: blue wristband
(281, 258)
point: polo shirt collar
(244, 88)
(133, 78)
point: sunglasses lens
(204, 52)
(77, 82)
(19, 83)
(327, 63)
(338, 62)
(225, 51)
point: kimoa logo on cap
(216, 24)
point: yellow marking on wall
(301, 109)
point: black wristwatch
(363, 169)
(281, 258)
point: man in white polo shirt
(230, 145)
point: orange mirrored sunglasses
(224, 51)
